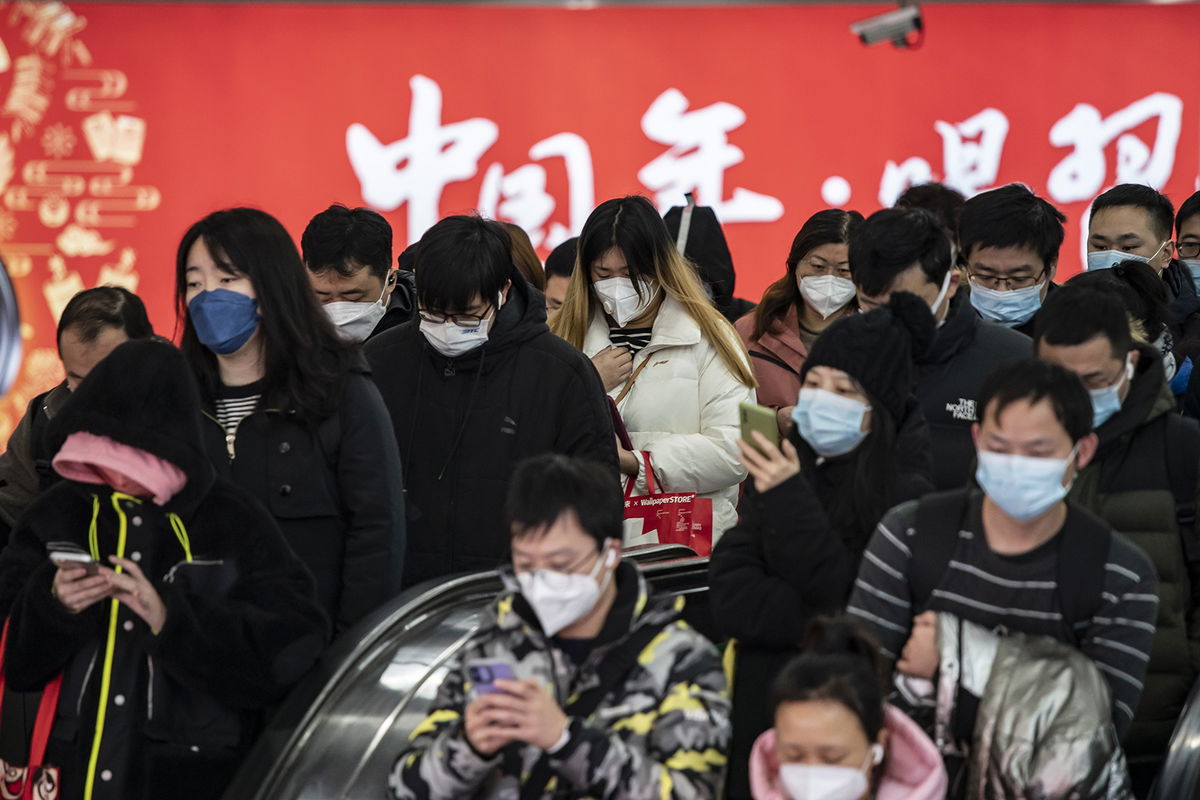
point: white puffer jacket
(683, 411)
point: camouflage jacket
(663, 734)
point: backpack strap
(1181, 443)
(939, 519)
(612, 672)
(1081, 560)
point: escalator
(338, 732)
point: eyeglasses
(460, 320)
(1189, 249)
(820, 267)
(1004, 284)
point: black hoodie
(242, 625)
(462, 424)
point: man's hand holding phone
(506, 710)
(78, 584)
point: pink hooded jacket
(912, 768)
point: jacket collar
(1149, 398)
(782, 339)
(954, 336)
(673, 327)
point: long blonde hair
(633, 226)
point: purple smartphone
(483, 674)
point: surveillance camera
(894, 27)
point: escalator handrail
(1181, 770)
(290, 724)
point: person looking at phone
(689, 370)
(164, 596)
(815, 291)
(92, 325)
(860, 445)
(614, 695)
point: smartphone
(758, 418)
(483, 674)
(65, 558)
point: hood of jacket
(142, 395)
(912, 767)
(1149, 397)
(954, 336)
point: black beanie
(877, 349)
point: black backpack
(1081, 558)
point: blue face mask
(1107, 401)
(1107, 259)
(1011, 308)
(1023, 487)
(1193, 266)
(830, 423)
(224, 320)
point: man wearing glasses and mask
(474, 384)
(582, 683)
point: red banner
(123, 124)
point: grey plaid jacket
(663, 734)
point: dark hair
(545, 487)
(831, 226)
(306, 362)
(1078, 313)
(91, 311)
(1140, 290)
(842, 664)
(1012, 216)
(561, 261)
(894, 239)
(938, 199)
(1033, 380)
(346, 240)
(1189, 209)
(1154, 203)
(461, 258)
(525, 257)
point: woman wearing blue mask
(291, 414)
(860, 446)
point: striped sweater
(1018, 592)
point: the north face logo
(964, 409)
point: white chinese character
(30, 95)
(699, 154)
(416, 169)
(1082, 174)
(971, 166)
(898, 177)
(521, 196)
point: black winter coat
(335, 490)
(949, 377)
(462, 424)
(242, 625)
(785, 563)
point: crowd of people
(959, 561)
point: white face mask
(452, 341)
(829, 782)
(560, 599)
(620, 300)
(354, 319)
(827, 294)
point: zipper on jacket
(231, 436)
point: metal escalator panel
(1180, 775)
(340, 731)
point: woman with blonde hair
(675, 367)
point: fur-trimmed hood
(142, 395)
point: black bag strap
(612, 671)
(939, 518)
(770, 359)
(1181, 443)
(1081, 560)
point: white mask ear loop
(944, 291)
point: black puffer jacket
(949, 377)
(242, 625)
(785, 563)
(463, 423)
(335, 489)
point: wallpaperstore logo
(658, 501)
(964, 409)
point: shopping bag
(34, 779)
(667, 518)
